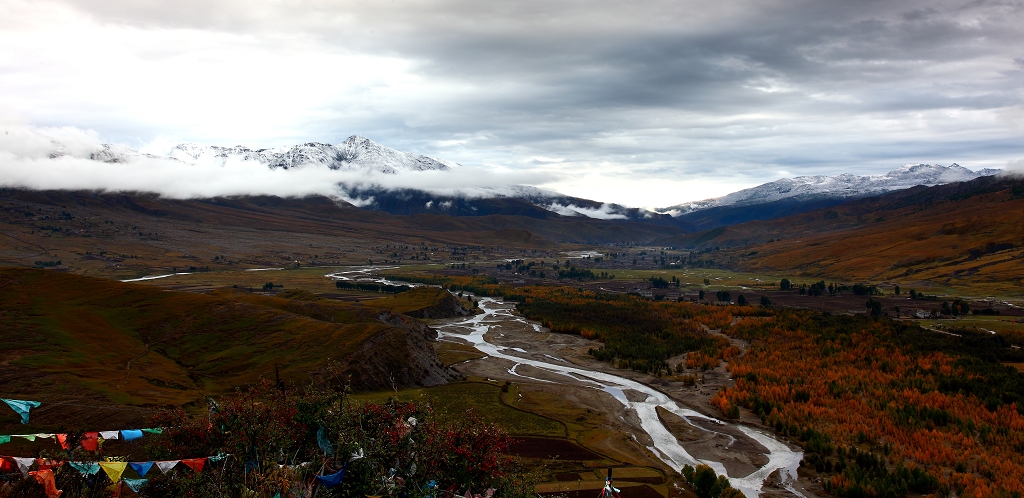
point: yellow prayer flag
(113, 469)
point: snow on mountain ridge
(355, 153)
(360, 157)
(843, 185)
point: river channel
(493, 333)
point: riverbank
(620, 409)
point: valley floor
(596, 418)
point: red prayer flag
(45, 477)
(63, 440)
(90, 441)
(195, 464)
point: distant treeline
(372, 287)
(479, 285)
(637, 333)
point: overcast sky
(643, 103)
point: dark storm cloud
(663, 87)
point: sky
(644, 103)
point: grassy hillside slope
(126, 235)
(970, 232)
(71, 337)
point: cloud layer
(71, 159)
(675, 99)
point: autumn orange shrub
(852, 384)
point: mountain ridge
(843, 186)
(355, 153)
(365, 159)
(961, 233)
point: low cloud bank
(605, 212)
(74, 159)
(1014, 168)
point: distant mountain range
(361, 155)
(355, 153)
(840, 186)
(790, 196)
(959, 233)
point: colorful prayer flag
(22, 407)
(334, 479)
(24, 464)
(141, 468)
(195, 464)
(85, 468)
(45, 477)
(167, 465)
(90, 441)
(113, 469)
(135, 484)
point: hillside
(128, 236)
(79, 339)
(967, 232)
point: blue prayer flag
(22, 407)
(141, 467)
(323, 442)
(86, 468)
(334, 479)
(135, 484)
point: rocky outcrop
(449, 307)
(400, 356)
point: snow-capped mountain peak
(838, 186)
(355, 153)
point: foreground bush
(279, 441)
